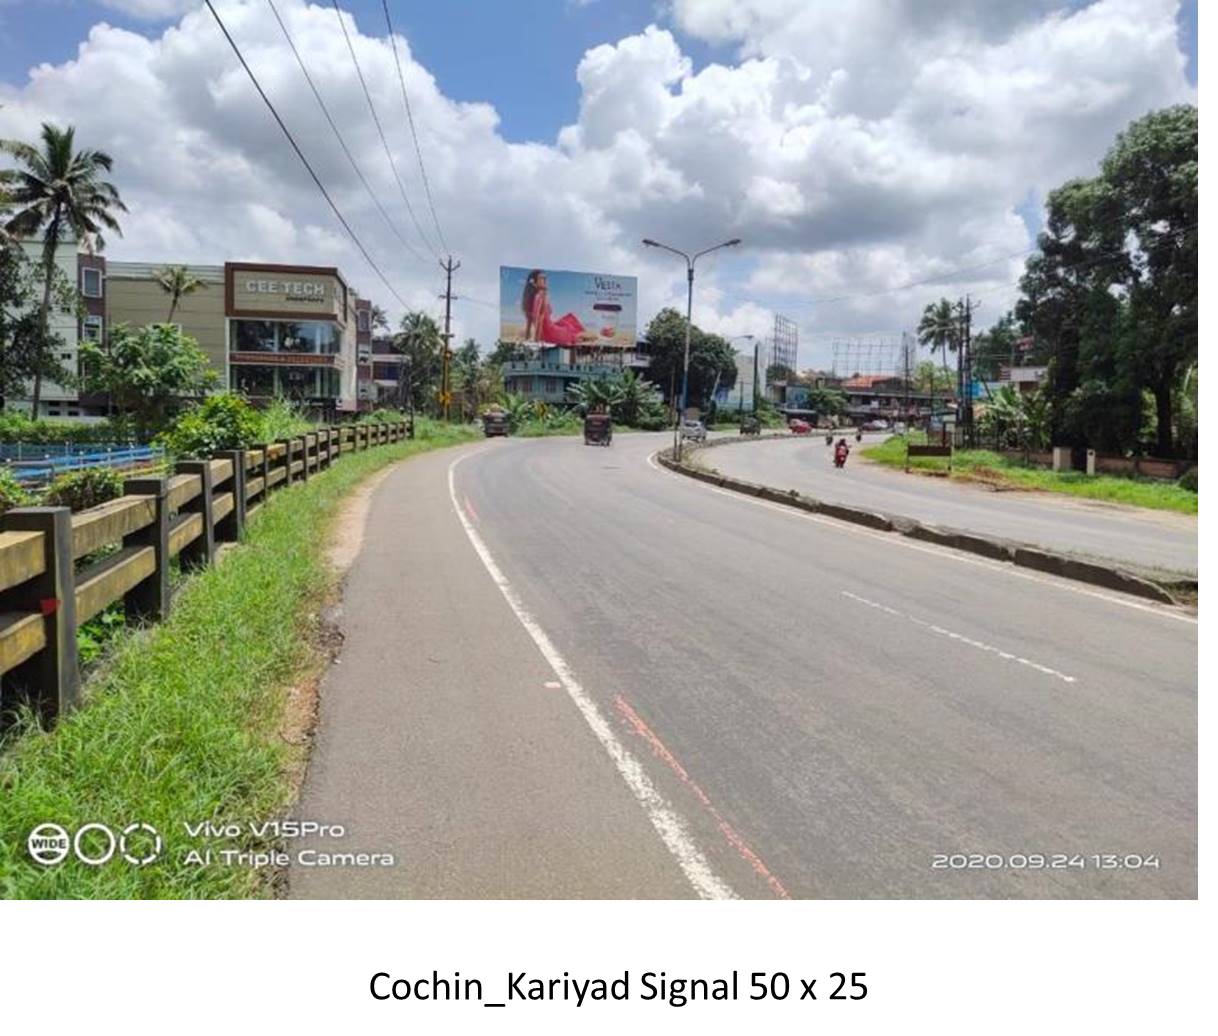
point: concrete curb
(1108, 576)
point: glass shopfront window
(307, 336)
(255, 336)
(252, 381)
(294, 338)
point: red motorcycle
(840, 453)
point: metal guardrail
(31, 470)
(44, 599)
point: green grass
(987, 466)
(181, 722)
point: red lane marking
(661, 752)
(469, 507)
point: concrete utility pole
(965, 409)
(449, 268)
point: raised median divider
(1098, 574)
(45, 594)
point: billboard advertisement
(566, 308)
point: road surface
(570, 673)
(1139, 537)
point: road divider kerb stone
(1089, 572)
(1108, 576)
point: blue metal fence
(36, 464)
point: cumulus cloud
(889, 143)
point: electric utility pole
(965, 356)
(449, 269)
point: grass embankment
(1005, 472)
(182, 722)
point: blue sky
(521, 57)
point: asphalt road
(569, 673)
(1162, 540)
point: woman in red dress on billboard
(538, 327)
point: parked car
(695, 430)
(799, 426)
(878, 425)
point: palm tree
(58, 191)
(421, 346)
(940, 329)
(178, 282)
(380, 321)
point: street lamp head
(734, 241)
(651, 244)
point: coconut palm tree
(380, 320)
(178, 282)
(940, 329)
(59, 191)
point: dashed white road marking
(670, 826)
(896, 540)
(961, 638)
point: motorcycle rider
(840, 453)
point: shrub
(222, 422)
(83, 489)
(382, 416)
(1188, 480)
(282, 419)
(16, 427)
(12, 494)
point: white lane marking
(961, 638)
(897, 540)
(668, 823)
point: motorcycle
(828, 440)
(858, 436)
(840, 455)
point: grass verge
(182, 721)
(1004, 472)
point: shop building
(299, 332)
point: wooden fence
(44, 597)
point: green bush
(1188, 480)
(282, 419)
(224, 421)
(17, 427)
(83, 489)
(11, 492)
(382, 416)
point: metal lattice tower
(784, 350)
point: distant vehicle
(878, 425)
(750, 426)
(899, 427)
(799, 426)
(695, 430)
(598, 430)
(495, 422)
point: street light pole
(689, 319)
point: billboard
(566, 308)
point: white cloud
(880, 143)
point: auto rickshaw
(598, 429)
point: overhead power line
(381, 132)
(300, 154)
(410, 119)
(342, 143)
